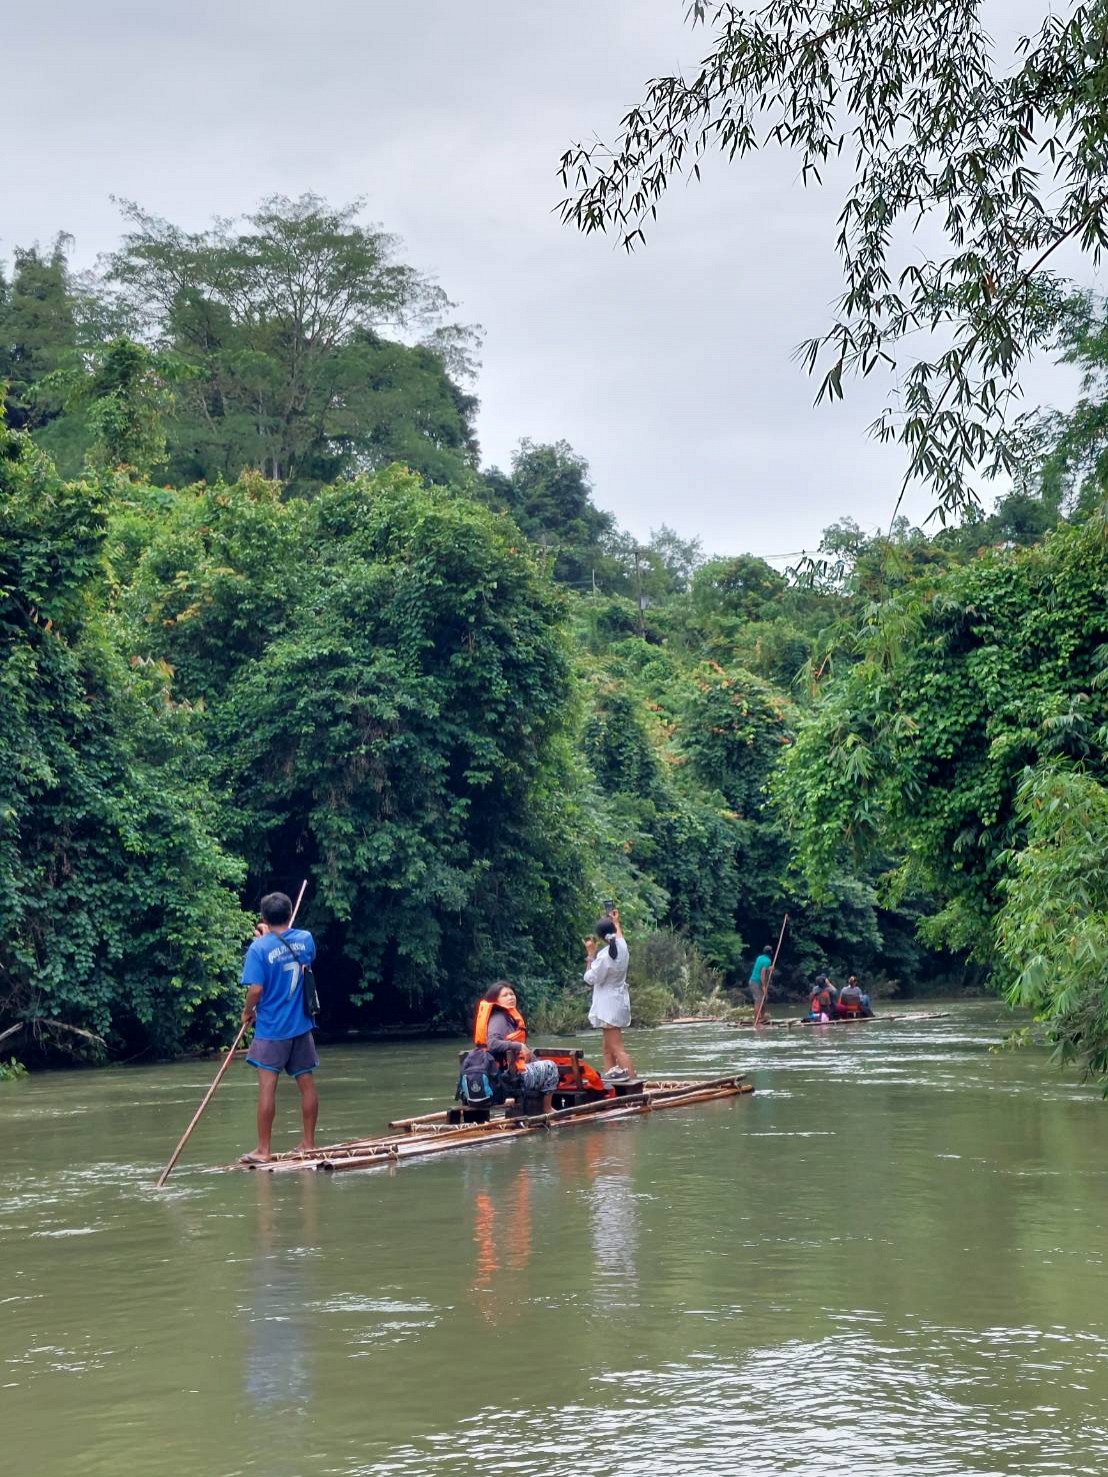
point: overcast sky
(670, 371)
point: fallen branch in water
(37, 1022)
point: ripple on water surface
(920, 1399)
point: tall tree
(38, 333)
(280, 326)
(550, 496)
(1005, 163)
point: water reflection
(606, 1165)
(502, 1242)
(286, 1234)
(871, 1401)
(511, 1214)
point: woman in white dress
(607, 958)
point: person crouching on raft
(499, 1017)
(607, 958)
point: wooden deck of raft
(431, 1133)
(802, 1020)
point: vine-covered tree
(387, 694)
(958, 683)
(118, 905)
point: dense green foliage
(1052, 930)
(386, 691)
(468, 706)
(117, 904)
(961, 679)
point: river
(889, 1259)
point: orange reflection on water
(502, 1236)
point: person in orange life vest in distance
(273, 975)
(822, 1005)
(607, 958)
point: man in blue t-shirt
(273, 972)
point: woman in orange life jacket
(499, 1018)
(818, 1005)
(823, 997)
(500, 1023)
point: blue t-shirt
(763, 961)
(269, 963)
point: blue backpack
(476, 1084)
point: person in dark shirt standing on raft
(273, 972)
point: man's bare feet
(304, 1148)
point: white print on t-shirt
(292, 965)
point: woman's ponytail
(606, 929)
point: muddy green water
(891, 1259)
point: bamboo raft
(434, 1133)
(851, 1020)
(868, 1020)
(794, 1021)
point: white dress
(611, 1004)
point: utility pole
(638, 590)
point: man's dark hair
(276, 908)
(768, 949)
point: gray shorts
(540, 1076)
(295, 1056)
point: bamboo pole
(772, 967)
(218, 1078)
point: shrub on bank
(669, 977)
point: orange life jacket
(485, 1009)
(590, 1077)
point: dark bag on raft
(477, 1082)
